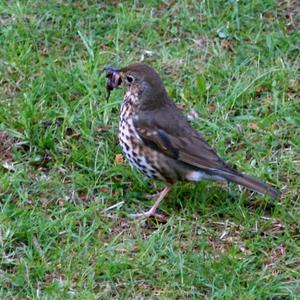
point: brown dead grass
(290, 9)
(6, 146)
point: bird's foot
(152, 211)
(147, 214)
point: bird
(158, 140)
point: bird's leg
(152, 210)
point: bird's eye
(129, 78)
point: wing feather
(177, 139)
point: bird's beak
(114, 79)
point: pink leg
(152, 210)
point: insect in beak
(113, 79)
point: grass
(236, 63)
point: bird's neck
(146, 99)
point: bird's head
(141, 80)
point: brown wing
(167, 131)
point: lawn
(65, 191)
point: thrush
(158, 141)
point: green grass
(234, 62)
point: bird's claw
(147, 214)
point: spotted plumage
(137, 156)
(159, 142)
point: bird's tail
(252, 184)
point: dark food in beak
(113, 79)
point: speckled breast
(137, 154)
